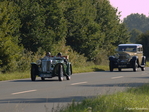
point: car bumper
(46, 75)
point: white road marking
(23, 92)
(78, 83)
(117, 77)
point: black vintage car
(52, 67)
(128, 56)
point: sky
(127, 7)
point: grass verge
(22, 75)
(133, 100)
(15, 75)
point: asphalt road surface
(47, 96)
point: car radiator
(46, 65)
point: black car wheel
(142, 68)
(135, 66)
(68, 77)
(119, 69)
(60, 73)
(111, 66)
(42, 78)
(34, 71)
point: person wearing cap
(47, 56)
(59, 54)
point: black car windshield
(127, 48)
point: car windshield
(127, 48)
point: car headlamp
(128, 56)
(53, 62)
(117, 55)
(38, 62)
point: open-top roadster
(51, 67)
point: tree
(144, 40)
(134, 35)
(137, 21)
(9, 32)
(42, 22)
(114, 32)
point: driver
(47, 56)
(59, 55)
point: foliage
(134, 35)
(144, 40)
(137, 21)
(96, 28)
(82, 29)
(138, 25)
(9, 33)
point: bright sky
(127, 7)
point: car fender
(111, 58)
(33, 63)
(134, 58)
(69, 67)
(143, 60)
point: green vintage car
(128, 56)
(52, 67)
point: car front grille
(122, 57)
(45, 66)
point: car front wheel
(33, 72)
(111, 66)
(119, 69)
(135, 66)
(143, 68)
(42, 78)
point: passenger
(59, 55)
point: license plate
(45, 75)
(122, 66)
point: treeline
(137, 21)
(28, 28)
(138, 26)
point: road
(46, 96)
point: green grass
(90, 68)
(17, 75)
(133, 100)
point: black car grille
(122, 57)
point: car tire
(68, 77)
(143, 68)
(69, 73)
(34, 71)
(119, 69)
(135, 66)
(111, 66)
(42, 78)
(60, 73)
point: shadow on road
(116, 85)
(43, 100)
(38, 80)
